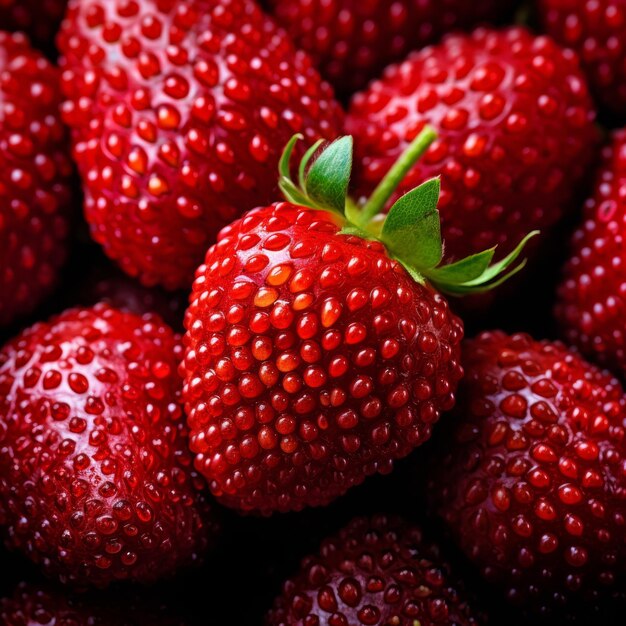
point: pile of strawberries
(312, 312)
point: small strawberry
(35, 173)
(95, 477)
(592, 298)
(531, 480)
(515, 125)
(378, 571)
(40, 19)
(33, 605)
(352, 41)
(318, 352)
(597, 32)
(179, 112)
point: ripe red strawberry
(597, 32)
(352, 41)
(531, 480)
(592, 300)
(32, 605)
(40, 19)
(377, 571)
(179, 112)
(313, 357)
(34, 178)
(515, 125)
(95, 476)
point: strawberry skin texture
(312, 360)
(591, 306)
(531, 477)
(597, 32)
(39, 19)
(96, 481)
(179, 112)
(35, 171)
(515, 127)
(352, 41)
(375, 572)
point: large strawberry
(597, 32)
(179, 112)
(379, 571)
(532, 479)
(515, 125)
(318, 352)
(96, 483)
(592, 297)
(40, 19)
(34, 178)
(352, 41)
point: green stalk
(416, 149)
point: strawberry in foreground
(96, 483)
(597, 32)
(377, 572)
(318, 352)
(531, 479)
(40, 19)
(591, 306)
(179, 112)
(352, 41)
(35, 175)
(515, 127)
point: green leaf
(497, 268)
(351, 229)
(412, 230)
(474, 274)
(352, 211)
(466, 269)
(305, 161)
(463, 290)
(413, 273)
(328, 178)
(285, 159)
(293, 194)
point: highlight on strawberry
(320, 347)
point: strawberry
(531, 479)
(597, 32)
(352, 41)
(376, 571)
(515, 125)
(35, 175)
(179, 112)
(34, 605)
(592, 301)
(95, 477)
(318, 350)
(40, 19)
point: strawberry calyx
(410, 231)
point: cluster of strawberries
(322, 241)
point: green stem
(377, 201)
